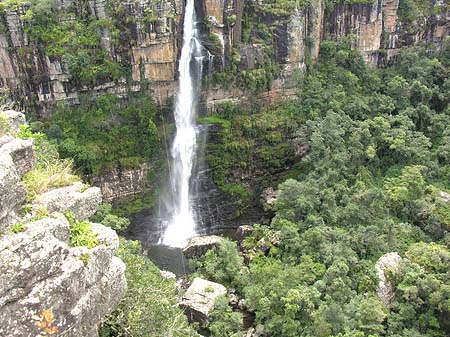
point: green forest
(370, 184)
(375, 180)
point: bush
(225, 322)
(221, 264)
(104, 216)
(149, 307)
(81, 233)
(50, 171)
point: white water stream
(180, 221)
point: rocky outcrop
(14, 119)
(48, 287)
(121, 184)
(46, 284)
(244, 231)
(16, 158)
(78, 198)
(12, 194)
(268, 198)
(389, 262)
(198, 246)
(198, 301)
(148, 46)
(22, 154)
(444, 196)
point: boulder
(198, 246)
(14, 119)
(244, 231)
(168, 275)
(269, 198)
(22, 153)
(198, 301)
(45, 283)
(82, 201)
(12, 194)
(444, 196)
(392, 262)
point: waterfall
(180, 218)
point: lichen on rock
(48, 287)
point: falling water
(180, 220)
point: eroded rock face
(198, 300)
(117, 184)
(14, 119)
(12, 194)
(392, 262)
(41, 274)
(444, 196)
(77, 198)
(244, 231)
(34, 77)
(198, 246)
(47, 286)
(22, 154)
(269, 198)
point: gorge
(303, 144)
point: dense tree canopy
(370, 184)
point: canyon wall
(244, 41)
(149, 33)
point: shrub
(222, 264)
(81, 233)
(50, 171)
(225, 322)
(18, 227)
(104, 216)
(149, 307)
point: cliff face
(145, 42)
(144, 38)
(48, 286)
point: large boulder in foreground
(198, 246)
(77, 198)
(388, 262)
(198, 301)
(48, 286)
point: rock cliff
(48, 286)
(144, 37)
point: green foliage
(76, 40)
(248, 143)
(4, 125)
(222, 264)
(50, 171)
(17, 228)
(81, 233)
(149, 307)
(101, 134)
(104, 216)
(423, 295)
(84, 258)
(369, 184)
(224, 322)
